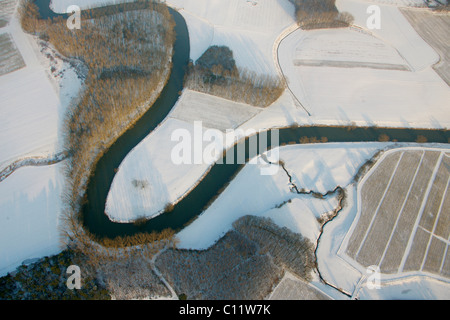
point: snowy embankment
(33, 162)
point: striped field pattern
(404, 220)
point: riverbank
(148, 160)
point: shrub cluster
(216, 73)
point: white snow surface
(60, 6)
(251, 193)
(395, 30)
(214, 112)
(366, 96)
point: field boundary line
(419, 216)
(434, 226)
(402, 208)
(446, 241)
(379, 204)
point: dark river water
(95, 219)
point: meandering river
(95, 219)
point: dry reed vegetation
(128, 54)
(216, 73)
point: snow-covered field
(395, 30)
(249, 28)
(292, 288)
(336, 267)
(30, 207)
(366, 96)
(7, 8)
(33, 103)
(373, 97)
